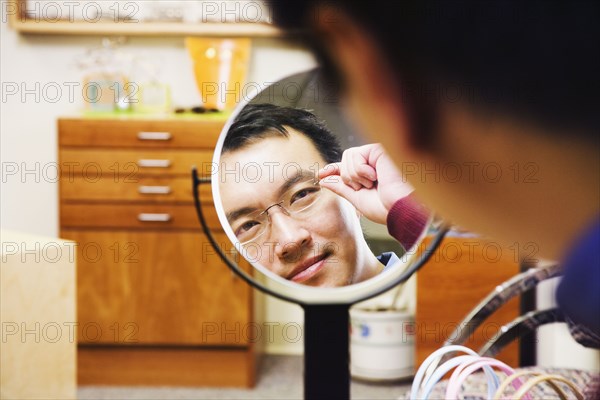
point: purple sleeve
(406, 220)
(578, 293)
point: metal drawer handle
(150, 163)
(147, 217)
(154, 136)
(154, 189)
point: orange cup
(220, 69)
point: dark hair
(259, 121)
(533, 59)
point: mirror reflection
(294, 195)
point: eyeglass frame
(284, 209)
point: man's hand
(368, 179)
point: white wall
(555, 346)
(28, 140)
(28, 124)
(28, 131)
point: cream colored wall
(28, 133)
(555, 345)
(28, 137)
(29, 202)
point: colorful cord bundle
(430, 373)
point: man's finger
(361, 171)
(337, 186)
(367, 174)
(346, 173)
(329, 169)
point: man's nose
(289, 235)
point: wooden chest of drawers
(155, 303)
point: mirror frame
(295, 292)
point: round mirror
(282, 195)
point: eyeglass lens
(301, 196)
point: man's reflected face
(282, 217)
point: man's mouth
(308, 268)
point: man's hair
(537, 60)
(259, 121)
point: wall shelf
(22, 24)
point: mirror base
(326, 351)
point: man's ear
(372, 88)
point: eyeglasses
(300, 197)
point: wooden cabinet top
(141, 131)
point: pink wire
(464, 370)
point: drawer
(127, 132)
(137, 216)
(142, 189)
(131, 163)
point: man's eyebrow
(233, 215)
(291, 181)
